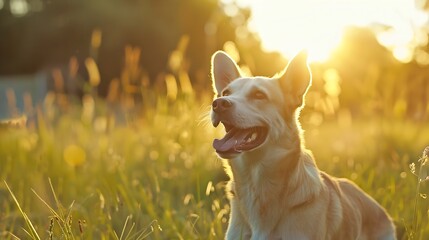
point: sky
(288, 26)
(317, 25)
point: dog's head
(255, 110)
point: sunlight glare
(403, 53)
(18, 7)
(318, 25)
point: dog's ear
(296, 79)
(224, 70)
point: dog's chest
(259, 197)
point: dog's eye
(259, 95)
(226, 92)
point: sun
(301, 25)
(289, 26)
(318, 37)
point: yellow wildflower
(74, 155)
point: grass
(122, 180)
(101, 169)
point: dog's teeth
(248, 140)
(253, 137)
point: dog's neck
(282, 164)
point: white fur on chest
(254, 193)
(263, 199)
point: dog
(276, 190)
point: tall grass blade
(14, 236)
(61, 221)
(125, 226)
(33, 233)
(57, 202)
(144, 233)
(129, 231)
(68, 221)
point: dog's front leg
(238, 227)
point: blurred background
(369, 57)
(104, 108)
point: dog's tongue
(231, 140)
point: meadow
(123, 169)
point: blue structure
(36, 85)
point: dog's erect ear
(224, 70)
(296, 79)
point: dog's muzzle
(220, 106)
(236, 139)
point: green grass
(154, 174)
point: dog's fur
(276, 190)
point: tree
(62, 29)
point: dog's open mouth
(238, 140)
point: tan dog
(276, 190)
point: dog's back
(363, 218)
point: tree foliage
(369, 78)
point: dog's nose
(221, 104)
